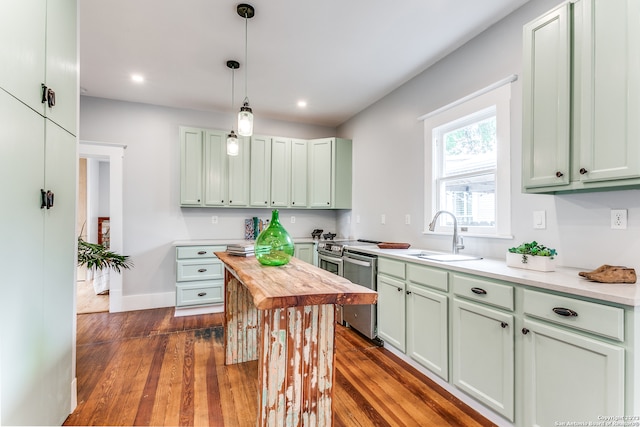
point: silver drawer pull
(478, 291)
(202, 270)
(201, 294)
(202, 252)
(564, 312)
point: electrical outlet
(214, 219)
(383, 219)
(293, 219)
(619, 219)
(357, 219)
(407, 219)
(539, 220)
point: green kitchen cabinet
(573, 359)
(306, 252)
(280, 172)
(329, 174)
(391, 303)
(428, 318)
(260, 187)
(299, 167)
(42, 52)
(208, 176)
(39, 164)
(580, 127)
(483, 355)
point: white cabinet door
(391, 311)
(320, 176)
(427, 329)
(569, 376)
(608, 129)
(280, 171)
(546, 129)
(299, 168)
(260, 171)
(239, 172)
(22, 51)
(214, 166)
(62, 62)
(483, 355)
(190, 166)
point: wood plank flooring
(151, 368)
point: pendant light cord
(246, 62)
(233, 86)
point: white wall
(388, 163)
(152, 216)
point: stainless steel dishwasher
(361, 269)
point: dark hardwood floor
(151, 368)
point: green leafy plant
(534, 249)
(96, 257)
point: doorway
(109, 157)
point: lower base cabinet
(483, 355)
(391, 311)
(306, 252)
(199, 276)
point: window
(467, 163)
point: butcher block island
(284, 317)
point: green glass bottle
(274, 245)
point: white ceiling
(338, 55)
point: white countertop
(564, 279)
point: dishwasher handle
(357, 262)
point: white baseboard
(146, 301)
(191, 311)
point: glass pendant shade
(245, 120)
(274, 245)
(232, 144)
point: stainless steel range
(344, 259)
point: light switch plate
(539, 220)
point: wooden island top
(294, 284)
(284, 317)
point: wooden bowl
(390, 245)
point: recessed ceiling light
(302, 104)
(138, 78)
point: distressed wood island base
(284, 317)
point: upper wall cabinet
(329, 173)
(42, 57)
(581, 94)
(208, 177)
(269, 172)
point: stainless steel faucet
(458, 242)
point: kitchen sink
(436, 256)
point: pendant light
(232, 140)
(245, 116)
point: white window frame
(497, 95)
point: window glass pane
(471, 199)
(471, 147)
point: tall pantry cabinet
(38, 154)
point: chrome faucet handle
(460, 243)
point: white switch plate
(357, 219)
(293, 219)
(618, 219)
(383, 219)
(539, 220)
(407, 219)
(214, 219)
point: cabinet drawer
(186, 252)
(483, 290)
(586, 316)
(195, 269)
(427, 276)
(197, 293)
(391, 268)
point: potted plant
(99, 260)
(532, 256)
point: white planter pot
(537, 263)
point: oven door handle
(357, 262)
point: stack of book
(242, 249)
